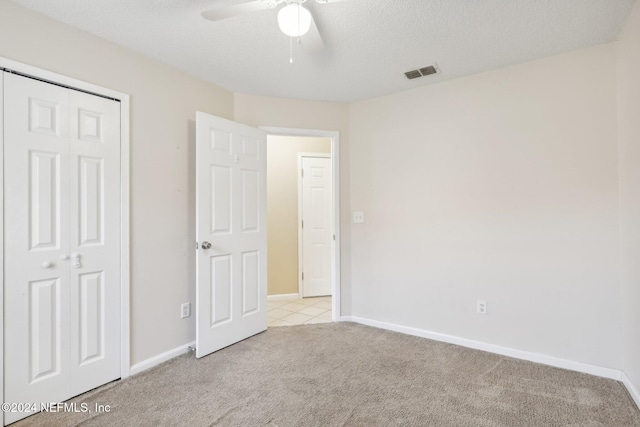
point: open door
(231, 230)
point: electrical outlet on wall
(358, 217)
(185, 310)
(481, 306)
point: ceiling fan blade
(221, 13)
(312, 41)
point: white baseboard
(635, 395)
(283, 297)
(599, 371)
(156, 360)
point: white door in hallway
(231, 229)
(317, 228)
(62, 242)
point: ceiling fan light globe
(294, 20)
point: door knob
(47, 264)
(206, 245)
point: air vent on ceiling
(426, 71)
(413, 74)
(422, 72)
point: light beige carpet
(344, 374)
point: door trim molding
(54, 78)
(335, 170)
(300, 231)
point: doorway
(303, 234)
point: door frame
(46, 76)
(300, 239)
(335, 176)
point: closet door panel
(37, 306)
(95, 240)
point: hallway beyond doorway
(300, 311)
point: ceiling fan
(294, 19)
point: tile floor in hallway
(299, 311)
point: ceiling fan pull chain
(290, 50)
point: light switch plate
(358, 217)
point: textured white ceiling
(369, 43)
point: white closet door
(94, 246)
(37, 303)
(62, 210)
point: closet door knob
(47, 264)
(206, 245)
(76, 260)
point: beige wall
(163, 106)
(628, 50)
(501, 186)
(332, 116)
(282, 207)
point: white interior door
(317, 227)
(62, 242)
(231, 289)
